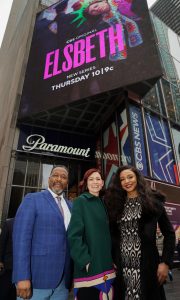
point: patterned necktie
(60, 205)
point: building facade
(13, 58)
(169, 12)
(138, 124)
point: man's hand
(162, 272)
(23, 289)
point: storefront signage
(51, 142)
(138, 139)
(38, 142)
(80, 49)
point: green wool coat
(89, 236)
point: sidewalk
(172, 288)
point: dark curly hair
(115, 196)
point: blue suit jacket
(40, 247)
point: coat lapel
(53, 204)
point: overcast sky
(5, 7)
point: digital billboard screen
(87, 47)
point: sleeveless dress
(130, 247)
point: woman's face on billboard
(98, 8)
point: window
(151, 100)
(168, 99)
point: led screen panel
(161, 151)
(83, 48)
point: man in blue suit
(41, 259)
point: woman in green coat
(90, 242)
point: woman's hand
(162, 272)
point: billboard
(87, 47)
(161, 151)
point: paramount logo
(38, 142)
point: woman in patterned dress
(134, 211)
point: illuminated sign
(54, 143)
(38, 142)
(49, 142)
(87, 47)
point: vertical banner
(138, 139)
(161, 152)
(125, 145)
(110, 155)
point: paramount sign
(38, 142)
